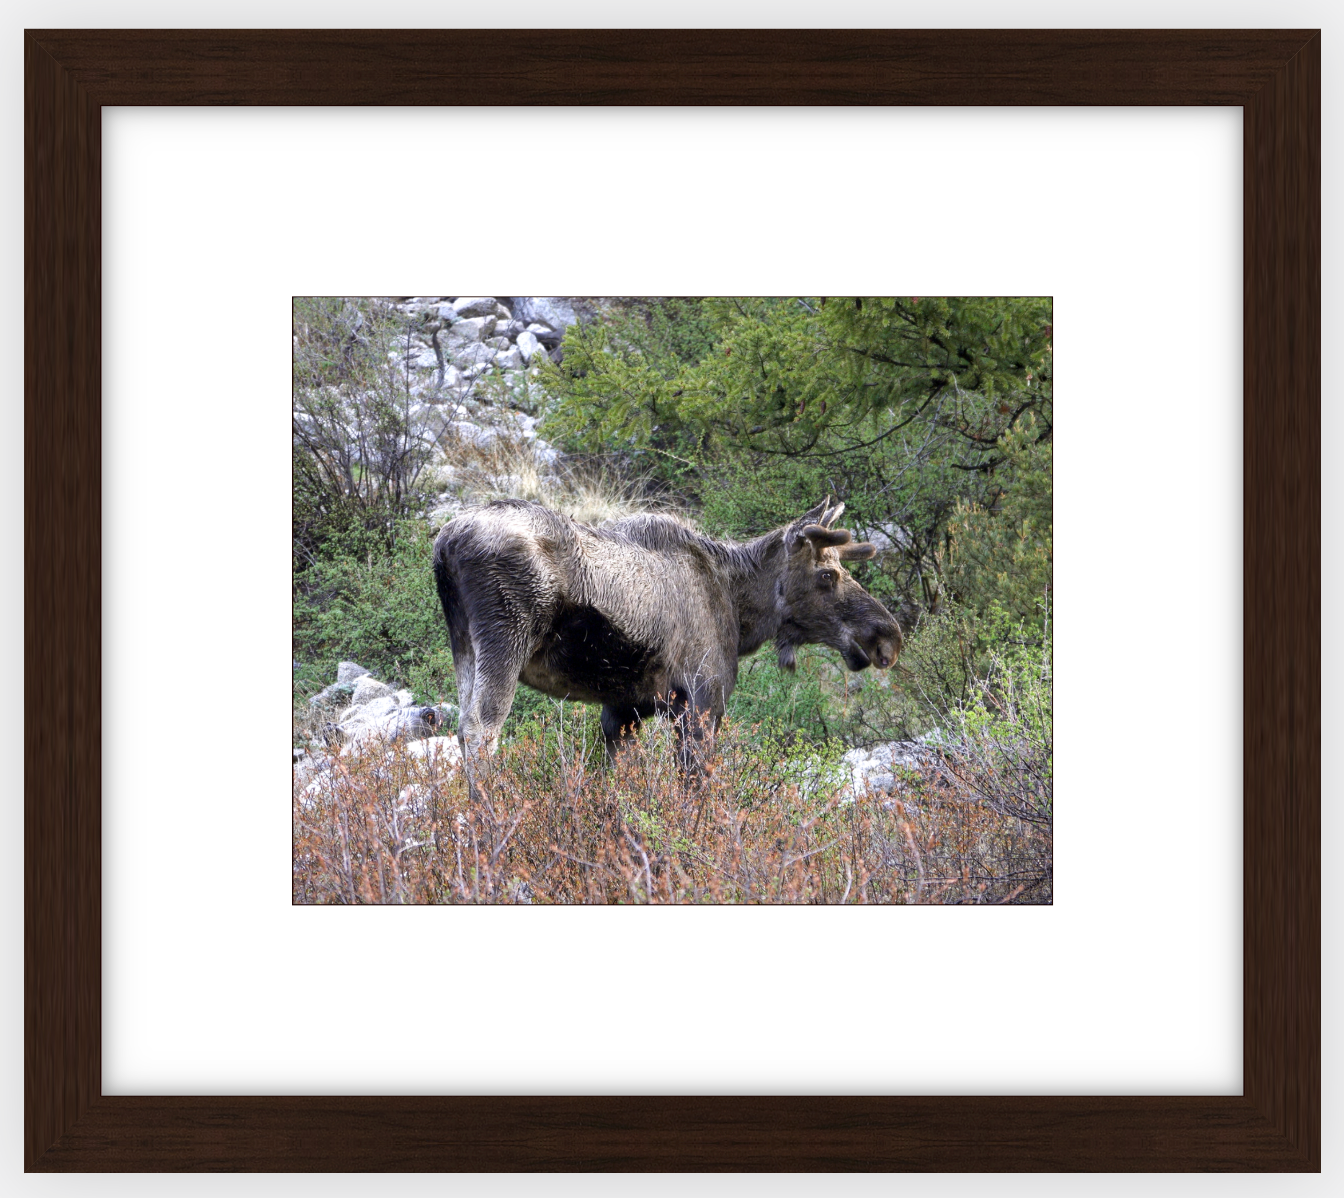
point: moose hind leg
(695, 717)
(620, 724)
(494, 681)
(464, 669)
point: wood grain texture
(1282, 587)
(1274, 75)
(671, 66)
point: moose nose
(885, 652)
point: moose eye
(826, 577)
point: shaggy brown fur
(643, 615)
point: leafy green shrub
(1001, 553)
(783, 704)
(380, 609)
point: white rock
(497, 342)
(430, 418)
(480, 305)
(349, 671)
(509, 358)
(422, 359)
(474, 434)
(528, 345)
(367, 714)
(878, 768)
(473, 353)
(472, 330)
(440, 752)
(553, 310)
(369, 688)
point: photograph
(672, 599)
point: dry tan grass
(507, 468)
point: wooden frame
(1274, 76)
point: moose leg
(696, 720)
(464, 667)
(493, 683)
(620, 722)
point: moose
(643, 615)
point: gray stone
(473, 353)
(474, 434)
(369, 712)
(471, 330)
(554, 310)
(349, 671)
(528, 345)
(422, 359)
(879, 768)
(369, 688)
(443, 749)
(336, 693)
(430, 418)
(468, 306)
(509, 358)
(497, 342)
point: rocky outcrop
(472, 365)
(888, 767)
(375, 712)
(452, 343)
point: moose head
(820, 603)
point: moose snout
(884, 647)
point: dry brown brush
(557, 825)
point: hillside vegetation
(931, 418)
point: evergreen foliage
(896, 405)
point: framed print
(73, 1124)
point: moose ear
(812, 515)
(832, 515)
(860, 551)
(821, 537)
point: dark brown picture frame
(1275, 76)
